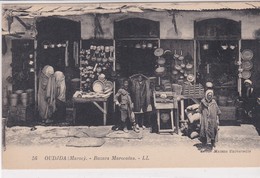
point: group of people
(209, 110)
(51, 95)
(135, 102)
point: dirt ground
(244, 136)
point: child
(126, 106)
(209, 121)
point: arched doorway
(58, 46)
(136, 39)
(217, 52)
(54, 37)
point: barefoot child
(126, 106)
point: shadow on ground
(203, 148)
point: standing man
(60, 88)
(209, 120)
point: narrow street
(231, 137)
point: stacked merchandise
(96, 66)
(192, 127)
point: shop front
(173, 53)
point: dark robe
(141, 95)
(249, 98)
(209, 120)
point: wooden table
(95, 101)
(169, 103)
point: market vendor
(248, 97)
(209, 120)
(126, 107)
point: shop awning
(50, 9)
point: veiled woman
(46, 94)
(60, 92)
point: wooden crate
(194, 91)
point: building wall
(184, 20)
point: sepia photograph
(130, 85)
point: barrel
(13, 99)
(18, 92)
(222, 100)
(24, 99)
(30, 95)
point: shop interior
(136, 56)
(217, 63)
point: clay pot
(161, 61)
(99, 59)
(24, 99)
(101, 77)
(18, 92)
(149, 45)
(107, 49)
(99, 69)
(13, 99)
(137, 46)
(30, 96)
(104, 60)
(111, 59)
(5, 101)
(160, 71)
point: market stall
(96, 66)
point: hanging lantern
(224, 46)
(232, 46)
(205, 46)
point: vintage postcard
(130, 85)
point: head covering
(48, 70)
(59, 77)
(248, 81)
(207, 92)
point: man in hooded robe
(60, 91)
(209, 120)
(46, 94)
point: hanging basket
(246, 74)
(247, 65)
(247, 54)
